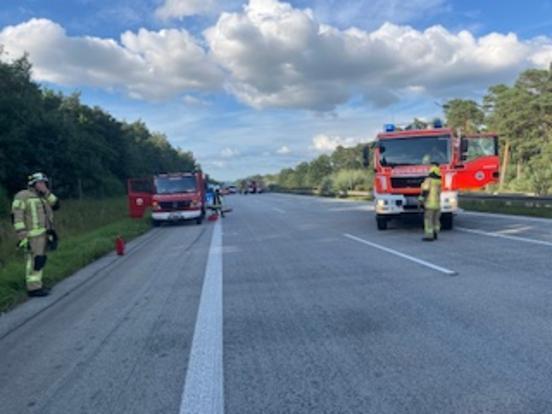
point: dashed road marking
(402, 255)
(279, 210)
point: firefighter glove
(23, 244)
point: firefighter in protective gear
(431, 199)
(217, 205)
(33, 220)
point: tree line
(336, 173)
(521, 114)
(84, 150)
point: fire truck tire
(382, 223)
(155, 223)
(199, 220)
(447, 221)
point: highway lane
(321, 313)
(118, 344)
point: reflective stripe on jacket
(32, 213)
(431, 189)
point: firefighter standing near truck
(431, 200)
(218, 202)
(33, 220)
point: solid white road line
(402, 255)
(279, 210)
(204, 389)
(504, 236)
(511, 217)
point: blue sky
(259, 85)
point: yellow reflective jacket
(431, 191)
(33, 213)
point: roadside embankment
(87, 230)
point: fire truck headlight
(381, 203)
(451, 201)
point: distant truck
(402, 159)
(171, 197)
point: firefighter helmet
(36, 177)
(435, 170)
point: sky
(255, 86)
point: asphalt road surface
(295, 304)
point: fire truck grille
(174, 205)
(407, 182)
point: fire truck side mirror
(366, 156)
(464, 146)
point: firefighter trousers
(35, 262)
(432, 222)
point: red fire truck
(172, 197)
(402, 159)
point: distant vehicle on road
(402, 159)
(172, 197)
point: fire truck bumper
(398, 204)
(176, 215)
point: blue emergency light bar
(437, 123)
(389, 127)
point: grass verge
(87, 230)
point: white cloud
(171, 9)
(328, 143)
(271, 54)
(229, 153)
(193, 101)
(146, 64)
(283, 150)
(281, 56)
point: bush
(326, 187)
(347, 180)
(4, 202)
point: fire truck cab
(402, 159)
(171, 197)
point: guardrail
(510, 199)
(527, 200)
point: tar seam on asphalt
(402, 255)
(203, 387)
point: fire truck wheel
(382, 222)
(155, 223)
(199, 220)
(447, 221)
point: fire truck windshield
(173, 185)
(414, 151)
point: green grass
(87, 231)
(501, 207)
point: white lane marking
(512, 217)
(279, 210)
(504, 236)
(204, 389)
(404, 256)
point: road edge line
(203, 390)
(504, 236)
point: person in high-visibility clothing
(33, 220)
(431, 199)
(218, 202)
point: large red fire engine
(172, 197)
(402, 159)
